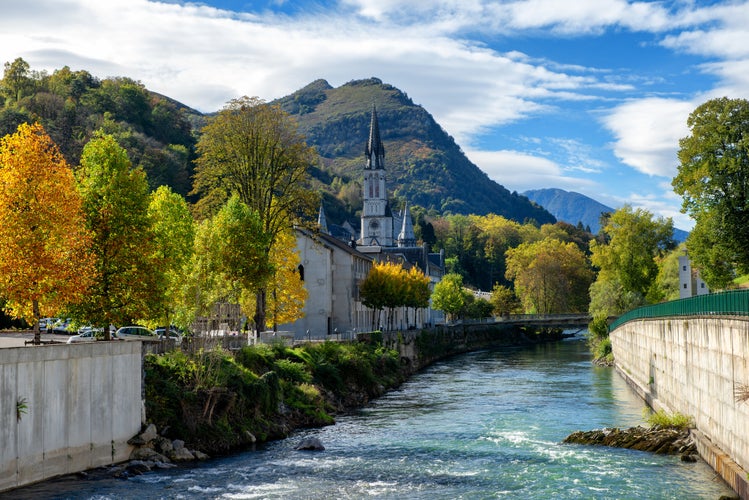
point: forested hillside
(71, 105)
(425, 166)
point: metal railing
(731, 303)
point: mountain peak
(425, 166)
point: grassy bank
(217, 401)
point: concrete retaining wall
(694, 366)
(83, 404)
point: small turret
(322, 222)
(406, 238)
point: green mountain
(425, 166)
(156, 131)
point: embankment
(697, 366)
(66, 408)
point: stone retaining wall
(697, 367)
(66, 408)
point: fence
(731, 303)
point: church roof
(374, 150)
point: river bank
(217, 402)
(486, 424)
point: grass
(662, 419)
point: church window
(370, 181)
(301, 272)
(377, 188)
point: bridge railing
(731, 303)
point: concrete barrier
(695, 366)
(66, 408)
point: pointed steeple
(407, 238)
(375, 151)
(322, 222)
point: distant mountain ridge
(573, 207)
(570, 206)
(424, 165)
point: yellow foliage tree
(286, 292)
(45, 259)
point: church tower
(376, 219)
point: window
(301, 272)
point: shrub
(662, 419)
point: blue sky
(590, 96)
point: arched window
(301, 272)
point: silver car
(136, 333)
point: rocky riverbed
(656, 439)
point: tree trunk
(37, 331)
(260, 310)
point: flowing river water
(487, 424)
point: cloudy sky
(585, 95)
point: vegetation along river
(482, 425)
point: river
(482, 425)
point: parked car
(135, 332)
(61, 327)
(89, 334)
(45, 323)
(173, 334)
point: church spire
(407, 238)
(375, 151)
(322, 222)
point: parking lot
(19, 339)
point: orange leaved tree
(45, 259)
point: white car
(173, 334)
(88, 334)
(136, 333)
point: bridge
(577, 320)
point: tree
(45, 259)
(503, 300)
(286, 291)
(239, 248)
(550, 276)
(16, 80)
(448, 295)
(129, 282)
(713, 180)
(632, 241)
(417, 290)
(254, 150)
(174, 237)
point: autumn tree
(254, 150)
(712, 180)
(417, 291)
(286, 291)
(45, 260)
(130, 281)
(174, 234)
(550, 276)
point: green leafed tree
(230, 259)
(174, 235)
(448, 295)
(130, 281)
(254, 150)
(713, 180)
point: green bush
(662, 419)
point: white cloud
(647, 133)
(519, 171)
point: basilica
(334, 261)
